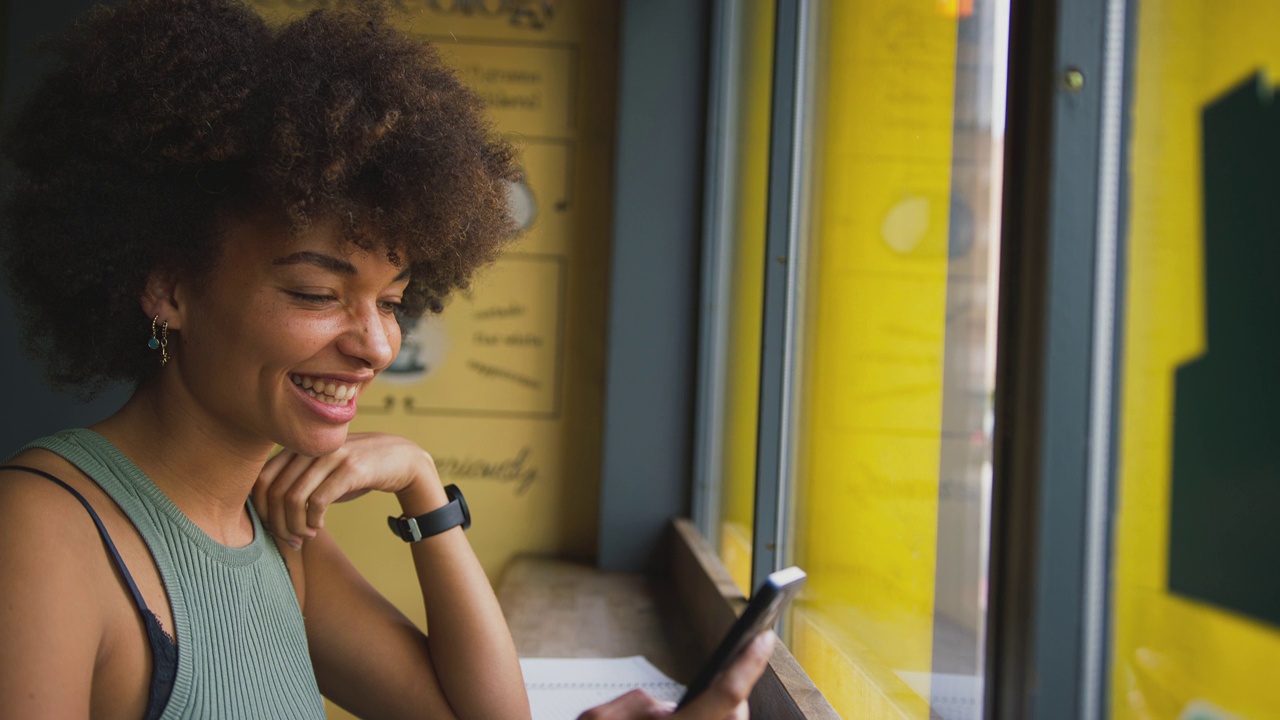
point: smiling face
(285, 333)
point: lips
(326, 390)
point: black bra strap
(102, 530)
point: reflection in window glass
(893, 450)
(753, 72)
(1195, 607)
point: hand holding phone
(725, 699)
(761, 614)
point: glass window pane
(753, 72)
(894, 453)
(1196, 613)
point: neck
(205, 471)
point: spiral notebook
(563, 688)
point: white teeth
(328, 392)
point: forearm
(470, 644)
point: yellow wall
(1170, 653)
(869, 455)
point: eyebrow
(326, 262)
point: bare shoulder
(50, 626)
(45, 533)
(41, 506)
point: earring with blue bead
(160, 342)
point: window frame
(1060, 320)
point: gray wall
(649, 401)
(35, 410)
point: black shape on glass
(1224, 543)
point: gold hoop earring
(161, 342)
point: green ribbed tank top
(242, 648)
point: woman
(236, 219)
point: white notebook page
(563, 688)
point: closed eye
(311, 298)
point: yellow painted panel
(873, 362)
(1173, 656)
(735, 553)
(856, 683)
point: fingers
(635, 705)
(300, 494)
(290, 495)
(293, 492)
(727, 696)
(266, 476)
(738, 680)
(340, 479)
(726, 699)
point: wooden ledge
(712, 601)
(561, 608)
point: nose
(372, 337)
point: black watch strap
(435, 522)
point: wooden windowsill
(560, 608)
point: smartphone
(761, 614)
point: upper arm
(369, 658)
(50, 634)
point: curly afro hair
(162, 118)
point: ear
(160, 298)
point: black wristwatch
(435, 522)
